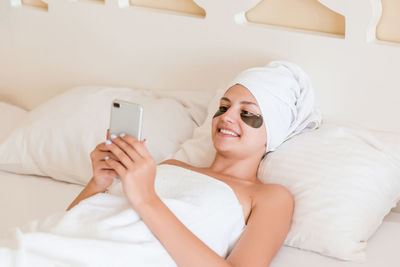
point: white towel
(105, 231)
(286, 98)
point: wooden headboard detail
(62, 44)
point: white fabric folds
(104, 230)
(286, 98)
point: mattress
(24, 198)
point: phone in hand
(126, 117)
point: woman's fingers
(101, 147)
(120, 154)
(117, 166)
(128, 148)
(102, 165)
(102, 155)
(139, 146)
(99, 155)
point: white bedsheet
(104, 230)
(24, 198)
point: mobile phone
(126, 117)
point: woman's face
(236, 127)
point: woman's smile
(227, 132)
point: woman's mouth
(228, 132)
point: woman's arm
(137, 170)
(103, 175)
(90, 189)
(264, 234)
(266, 229)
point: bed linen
(24, 198)
(79, 118)
(27, 197)
(104, 230)
(10, 116)
(382, 250)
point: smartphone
(126, 117)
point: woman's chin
(224, 148)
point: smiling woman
(233, 126)
(241, 138)
(214, 210)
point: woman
(251, 120)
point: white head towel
(286, 98)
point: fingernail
(106, 157)
(122, 135)
(113, 136)
(108, 142)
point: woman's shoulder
(272, 194)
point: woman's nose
(229, 116)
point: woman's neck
(243, 169)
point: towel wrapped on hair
(286, 99)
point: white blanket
(105, 231)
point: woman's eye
(247, 113)
(223, 109)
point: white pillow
(195, 101)
(57, 137)
(391, 142)
(199, 150)
(10, 117)
(344, 181)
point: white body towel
(105, 231)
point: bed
(62, 62)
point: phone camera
(116, 105)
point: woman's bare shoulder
(266, 227)
(272, 193)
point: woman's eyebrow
(242, 102)
(248, 103)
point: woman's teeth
(228, 132)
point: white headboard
(44, 52)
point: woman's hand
(103, 174)
(135, 167)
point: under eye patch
(254, 121)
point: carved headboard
(60, 44)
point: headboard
(44, 51)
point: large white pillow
(10, 117)
(199, 150)
(57, 137)
(344, 181)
